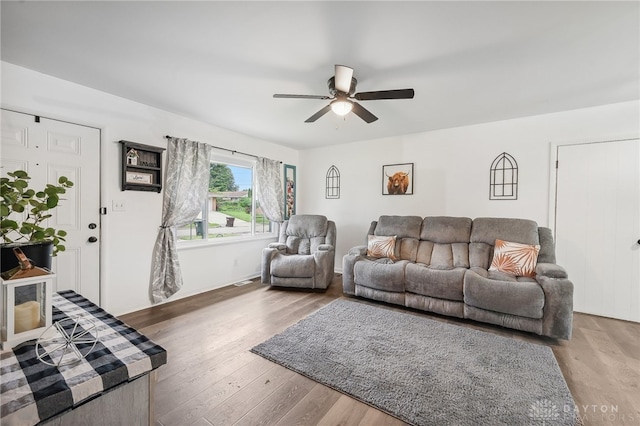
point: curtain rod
(232, 151)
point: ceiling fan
(342, 87)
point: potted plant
(35, 207)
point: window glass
(230, 209)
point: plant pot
(39, 253)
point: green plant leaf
(21, 184)
(17, 196)
(9, 224)
(52, 201)
(35, 204)
(38, 235)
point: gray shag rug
(422, 371)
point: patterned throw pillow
(380, 246)
(515, 258)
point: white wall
(451, 176)
(127, 237)
(451, 169)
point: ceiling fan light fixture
(341, 106)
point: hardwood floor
(211, 378)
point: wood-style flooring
(211, 378)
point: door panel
(598, 225)
(47, 150)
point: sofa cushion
(407, 249)
(443, 256)
(515, 258)
(485, 231)
(442, 284)
(381, 276)
(307, 226)
(489, 229)
(515, 296)
(381, 246)
(302, 234)
(445, 229)
(400, 226)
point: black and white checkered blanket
(32, 391)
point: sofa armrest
(267, 256)
(325, 258)
(358, 251)
(348, 275)
(557, 319)
(278, 246)
(551, 270)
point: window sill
(187, 245)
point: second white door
(598, 225)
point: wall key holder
(141, 167)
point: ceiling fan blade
(363, 113)
(343, 77)
(318, 114)
(385, 94)
(280, 95)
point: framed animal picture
(397, 179)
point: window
(230, 209)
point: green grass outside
(242, 215)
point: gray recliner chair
(304, 255)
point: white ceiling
(221, 62)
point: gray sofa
(443, 265)
(304, 255)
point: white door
(48, 149)
(598, 225)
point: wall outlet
(118, 206)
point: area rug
(422, 371)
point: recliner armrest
(278, 246)
(358, 251)
(551, 270)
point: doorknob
(92, 239)
(92, 226)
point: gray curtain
(269, 190)
(185, 189)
